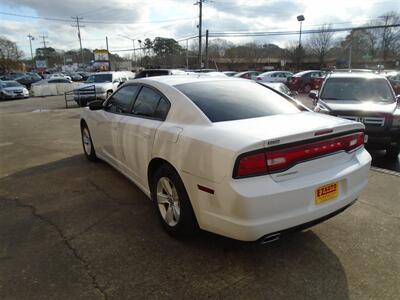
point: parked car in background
(158, 72)
(52, 81)
(85, 75)
(367, 98)
(258, 178)
(202, 70)
(247, 75)
(60, 75)
(100, 86)
(281, 87)
(21, 77)
(306, 81)
(75, 76)
(394, 79)
(35, 76)
(274, 76)
(11, 89)
(230, 73)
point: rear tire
(393, 151)
(172, 203)
(87, 144)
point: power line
(295, 32)
(274, 33)
(94, 22)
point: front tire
(172, 203)
(393, 151)
(87, 144)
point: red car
(306, 81)
(247, 74)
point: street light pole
(134, 50)
(300, 18)
(31, 38)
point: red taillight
(251, 164)
(282, 159)
(258, 78)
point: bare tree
(9, 54)
(320, 43)
(386, 40)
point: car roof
(355, 75)
(173, 80)
(307, 71)
(9, 81)
(274, 72)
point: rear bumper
(248, 209)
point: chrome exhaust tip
(269, 238)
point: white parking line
(384, 171)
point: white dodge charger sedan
(229, 156)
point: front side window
(235, 100)
(359, 89)
(122, 99)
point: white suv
(100, 86)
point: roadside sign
(41, 64)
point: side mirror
(96, 105)
(313, 95)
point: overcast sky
(139, 19)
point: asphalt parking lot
(71, 229)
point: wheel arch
(154, 164)
(83, 123)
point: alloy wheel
(168, 201)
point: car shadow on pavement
(380, 160)
(75, 229)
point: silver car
(11, 89)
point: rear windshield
(235, 100)
(360, 89)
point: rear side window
(146, 103)
(162, 109)
(235, 100)
(121, 101)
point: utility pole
(206, 65)
(43, 37)
(77, 18)
(187, 54)
(108, 53)
(200, 3)
(31, 38)
(350, 54)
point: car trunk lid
(279, 131)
